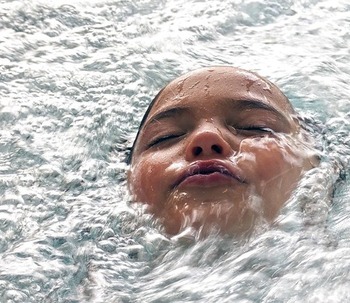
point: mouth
(208, 173)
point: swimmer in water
(219, 148)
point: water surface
(75, 79)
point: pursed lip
(209, 167)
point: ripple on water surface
(75, 80)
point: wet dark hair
(144, 118)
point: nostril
(197, 151)
(216, 148)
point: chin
(209, 217)
(202, 230)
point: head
(218, 148)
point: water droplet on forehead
(266, 86)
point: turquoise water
(75, 79)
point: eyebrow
(256, 104)
(239, 105)
(169, 113)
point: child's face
(220, 148)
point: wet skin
(220, 148)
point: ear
(314, 160)
(309, 131)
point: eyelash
(256, 128)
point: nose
(207, 141)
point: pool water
(75, 79)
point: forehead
(212, 85)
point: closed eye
(163, 139)
(255, 129)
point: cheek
(148, 181)
(274, 169)
(273, 161)
(143, 181)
